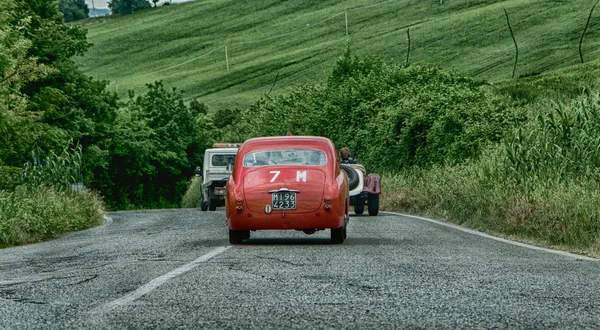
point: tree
(73, 10)
(65, 98)
(45, 101)
(125, 7)
(20, 129)
(152, 150)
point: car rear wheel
(352, 176)
(212, 204)
(373, 204)
(337, 235)
(203, 206)
(359, 207)
(237, 236)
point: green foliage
(44, 100)
(479, 195)
(192, 196)
(61, 172)
(9, 177)
(73, 10)
(152, 151)
(125, 7)
(391, 116)
(34, 215)
(563, 143)
(20, 130)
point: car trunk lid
(293, 189)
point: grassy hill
(273, 45)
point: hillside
(273, 45)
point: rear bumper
(278, 220)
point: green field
(273, 45)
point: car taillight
(239, 209)
(327, 201)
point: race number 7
(299, 176)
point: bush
(125, 7)
(151, 154)
(191, 199)
(9, 176)
(392, 116)
(34, 215)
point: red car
(287, 182)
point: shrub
(151, 154)
(191, 198)
(34, 215)
(9, 177)
(392, 116)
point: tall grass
(560, 144)
(45, 200)
(558, 213)
(59, 171)
(34, 215)
(542, 185)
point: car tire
(352, 176)
(373, 204)
(359, 207)
(203, 206)
(212, 204)
(337, 235)
(238, 236)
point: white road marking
(155, 283)
(474, 232)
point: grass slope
(183, 45)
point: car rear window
(222, 160)
(309, 157)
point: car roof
(289, 142)
(223, 150)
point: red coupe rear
(287, 182)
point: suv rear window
(222, 160)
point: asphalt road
(171, 269)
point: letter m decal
(301, 175)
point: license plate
(283, 200)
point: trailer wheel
(373, 204)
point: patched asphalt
(172, 269)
